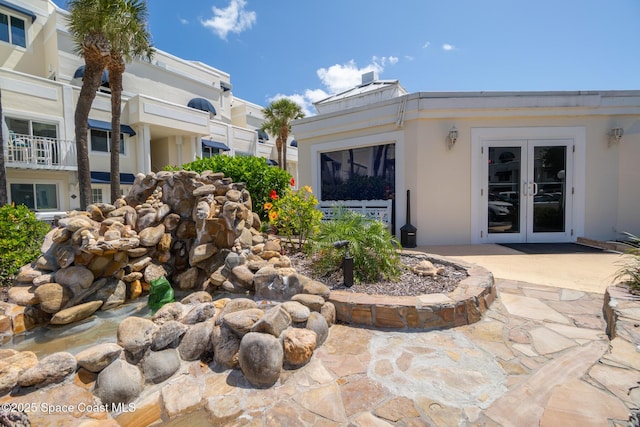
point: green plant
(260, 178)
(295, 216)
(630, 271)
(373, 248)
(21, 236)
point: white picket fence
(375, 209)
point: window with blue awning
(19, 9)
(215, 144)
(202, 104)
(106, 126)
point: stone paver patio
(538, 357)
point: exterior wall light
(615, 135)
(452, 137)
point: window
(209, 151)
(12, 30)
(101, 141)
(32, 128)
(96, 195)
(363, 173)
(35, 196)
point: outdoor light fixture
(347, 262)
(452, 137)
(615, 135)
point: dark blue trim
(215, 144)
(294, 143)
(262, 134)
(202, 104)
(106, 126)
(105, 178)
(18, 9)
(79, 73)
(272, 162)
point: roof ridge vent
(369, 77)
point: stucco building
(173, 110)
(481, 167)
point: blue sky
(307, 50)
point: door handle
(535, 188)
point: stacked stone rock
(199, 231)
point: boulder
(226, 345)
(242, 321)
(297, 311)
(196, 341)
(318, 324)
(120, 382)
(313, 287)
(275, 320)
(75, 277)
(51, 369)
(158, 366)
(197, 297)
(53, 297)
(170, 311)
(298, 345)
(98, 357)
(168, 334)
(260, 357)
(328, 311)
(312, 302)
(199, 313)
(75, 313)
(135, 334)
(23, 295)
(151, 236)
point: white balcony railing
(26, 151)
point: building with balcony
(173, 111)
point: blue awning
(106, 126)
(262, 134)
(215, 144)
(18, 9)
(105, 178)
(272, 162)
(202, 104)
(80, 74)
(294, 143)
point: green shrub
(21, 236)
(373, 248)
(295, 216)
(629, 273)
(259, 177)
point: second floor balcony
(36, 152)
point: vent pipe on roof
(369, 77)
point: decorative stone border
(622, 314)
(465, 305)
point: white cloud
(232, 19)
(448, 46)
(183, 21)
(426, 45)
(409, 57)
(335, 79)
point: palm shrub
(260, 178)
(629, 273)
(21, 236)
(373, 248)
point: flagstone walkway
(539, 356)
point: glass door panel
(549, 169)
(503, 190)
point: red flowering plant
(294, 216)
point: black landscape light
(347, 262)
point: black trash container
(408, 233)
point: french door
(527, 193)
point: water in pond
(99, 328)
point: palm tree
(4, 199)
(278, 117)
(129, 39)
(88, 21)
